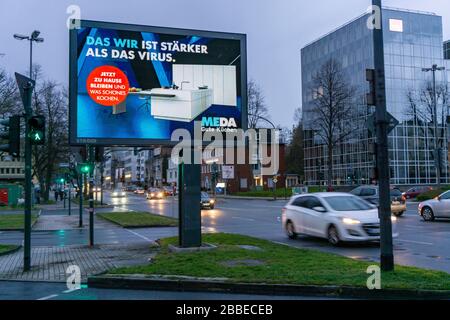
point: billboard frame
(137, 142)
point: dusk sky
(276, 31)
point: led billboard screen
(135, 85)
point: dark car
(371, 194)
(206, 201)
(415, 191)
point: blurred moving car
(415, 191)
(117, 193)
(371, 194)
(96, 189)
(139, 191)
(154, 193)
(206, 201)
(438, 207)
(338, 217)
(168, 191)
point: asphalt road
(12, 290)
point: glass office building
(447, 50)
(412, 41)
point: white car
(338, 217)
(438, 207)
(118, 194)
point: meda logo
(218, 122)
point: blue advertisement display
(135, 85)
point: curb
(196, 285)
(17, 248)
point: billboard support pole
(189, 210)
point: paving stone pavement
(66, 222)
(51, 263)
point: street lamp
(433, 69)
(33, 37)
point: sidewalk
(62, 221)
(51, 263)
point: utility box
(10, 194)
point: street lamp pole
(28, 162)
(437, 151)
(34, 37)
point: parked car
(139, 191)
(371, 194)
(206, 201)
(438, 207)
(338, 217)
(117, 193)
(415, 191)
(130, 188)
(154, 193)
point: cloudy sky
(276, 31)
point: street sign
(392, 123)
(227, 172)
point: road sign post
(382, 124)
(26, 86)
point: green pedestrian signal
(85, 168)
(37, 130)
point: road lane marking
(417, 242)
(48, 297)
(140, 236)
(246, 219)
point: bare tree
(257, 108)
(332, 106)
(50, 100)
(8, 93)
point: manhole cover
(249, 247)
(243, 263)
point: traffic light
(37, 130)
(61, 180)
(11, 133)
(85, 168)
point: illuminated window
(396, 25)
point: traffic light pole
(28, 89)
(80, 192)
(384, 210)
(91, 197)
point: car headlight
(152, 194)
(114, 193)
(393, 219)
(123, 193)
(211, 201)
(350, 221)
(160, 195)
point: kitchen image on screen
(196, 88)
